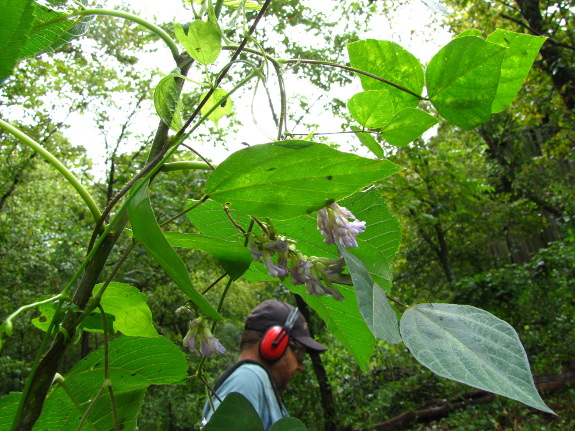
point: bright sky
(413, 29)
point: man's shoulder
(250, 371)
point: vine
(275, 197)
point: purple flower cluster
(199, 339)
(317, 273)
(311, 271)
(333, 222)
(262, 250)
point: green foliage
(167, 101)
(147, 231)
(202, 41)
(286, 179)
(472, 346)
(372, 302)
(218, 104)
(19, 16)
(264, 194)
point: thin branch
(197, 204)
(200, 156)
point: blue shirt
(253, 382)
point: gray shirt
(253, 382)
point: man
(273, 345)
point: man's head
(272, 315)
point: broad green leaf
(148, 233)
(128, 305)
(372, 302)
(286, 179)
(8, 407)
(407, 125)
(288, 424)
(91, 323)
(17, 18)
(48, 37)
(235, 413)
(233, 256)
(369, 141)
(522, 49)
(471, 346)
(203, 41)
(343, 319)
(134, 364)
(167, 101)
(390, 61)
(372, 109)
(217, 98)
(462, 80)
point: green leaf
(372, 302)
(128, 305)
(233, 256)
(235, 413)
(148, 233)
(286, 179)
(471, 346)
(520, 55)
(407, 125)
(167, 101)
(203, 41)
(390, 61)
(224, 108)
(8, 407)
(47, 36)
(462, 80)
(344, 320)
(288, 424)
(134, 364)
(17, 18)
(372, 109)
(369, 141)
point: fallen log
(442, 408)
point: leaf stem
(186, 166)
(354, 70)
(127, 16)
(50, 158)
(9, 319)
(60, 380)
(330, 64)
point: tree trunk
(327, 401)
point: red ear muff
(274, 343)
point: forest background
(487, 214)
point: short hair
(250, 337)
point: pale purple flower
(211, 345)
(199, 333)
(280, 270)
(254, 249)
(303, 271)
(334, 223)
